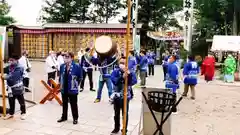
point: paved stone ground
(216, 111)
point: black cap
(87, 49)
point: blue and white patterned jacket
(14, 78)
(118, 82)
(74, 78)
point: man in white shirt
(51, 65)
(95, 57)
(80, 54)
(24, 62)
(60, 60)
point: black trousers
(90, 78)
(118, 106)
(151, 69)
(51, 75)
(131, 92)
(72, 98)
(164, 72)
(21, 101)
(26, 83)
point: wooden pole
(126, 66)
(2, 73)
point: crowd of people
(191, 71)
(112, 72)
(71, 75)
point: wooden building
(67, 36)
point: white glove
(4, 76)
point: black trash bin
(158, 105)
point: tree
(4, 10)
(222, 18)
(105, 10)
(65, 11)
(155, 14)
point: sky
(26, 12)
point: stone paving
(214, 112)
(94, 119)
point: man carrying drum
(107, 55)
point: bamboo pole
(126, 66)
(3, 84)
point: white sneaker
(8, 116)
(174, 113)
(23, 116)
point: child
(15, 86)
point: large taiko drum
(105, 47)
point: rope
(90, 63)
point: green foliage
(65, 11)
(155, 14)
(214, 17)
(4, 18)
(219, 18)
(105, 10)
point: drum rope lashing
(90, 63)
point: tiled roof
(27, 27)
(76, 25)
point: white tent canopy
(226, 43)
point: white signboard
(226, 43)
(188, 14)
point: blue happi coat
(85, 64)
(132, 63)
(143, 64)
(151, 58)
(118, 82)
(15, 78)
(137, 56)
(172, 77)
(165, 61)
(74, 78)
(190, 72)
(105, 71)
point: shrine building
(38, 41)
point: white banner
(137, 43)
(134, 19)
(188, 18)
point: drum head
(103, 44)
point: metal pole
(126, 66)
